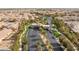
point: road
(53, 40)
(33, 37)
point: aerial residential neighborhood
(39, 29)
